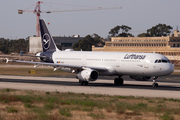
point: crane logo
(46, 41)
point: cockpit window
(159, 61)
(162, 61)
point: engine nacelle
(87, 75)
(141, 78)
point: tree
(99, 41)
(8, 46)
(120, 31)
(86, 43)
(159, 30)
(58, 46)
(143, 35)
(2, 44)
(114, 31)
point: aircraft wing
(60, 65)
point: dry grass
(39, 72)
(32, 105)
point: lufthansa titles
(134, 56)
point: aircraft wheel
(81, 82)
(155, 85)
(121, 81)
(118, 81)
(86, 83)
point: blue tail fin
(48, 43)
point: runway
(167, 88)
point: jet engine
(141, 78)
(87, 75)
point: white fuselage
(117, 63)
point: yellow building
(168, 46)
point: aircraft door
(117, 66)
(146, 63)
(84, 61)
(117, 62)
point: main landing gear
(155, 85)
(118, 81)
(83, 82)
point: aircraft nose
(170, 68)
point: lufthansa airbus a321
(88, 66)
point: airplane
(88, 66)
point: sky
(140, 15)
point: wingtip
(7, 60)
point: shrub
(7, 90)
(167, 116)
(12, 110)
(65, 112)
(27, 105)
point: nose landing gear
(155, 85)
(83, 82)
